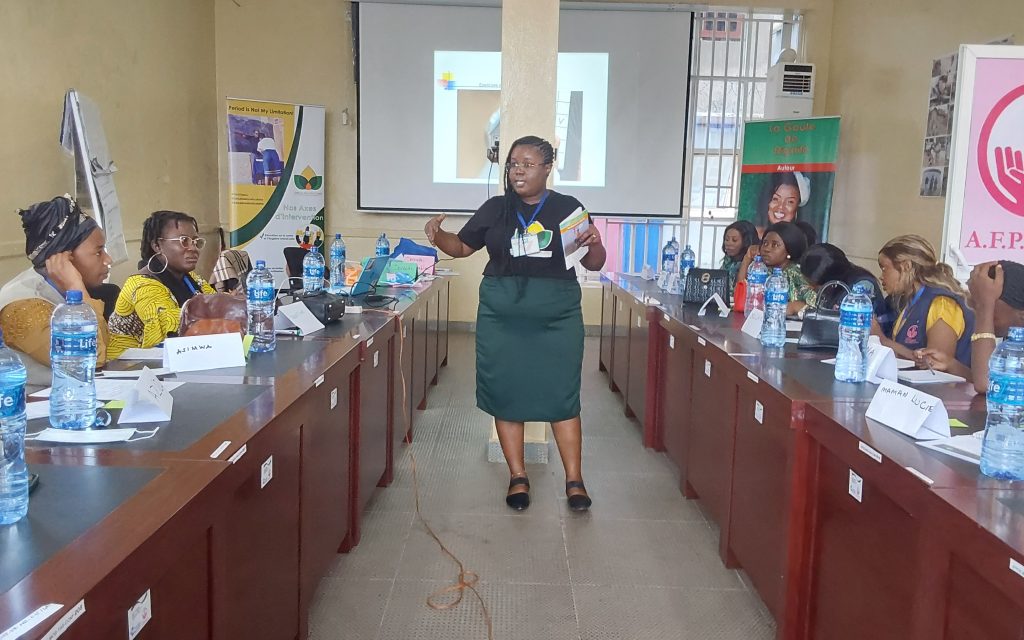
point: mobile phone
(33, 481)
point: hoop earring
(149, 265)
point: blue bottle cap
(314, 249)
(73, 296)
(337, 236)
(261, 264)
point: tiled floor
(641, 564)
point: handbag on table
(821, 326)
(210, 313)
(701, 284)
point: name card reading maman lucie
(907, 410)
(197, 353)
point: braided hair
(154, 226)
(512, 200)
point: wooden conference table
(223, 523)
(772, 446)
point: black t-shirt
(490, 226)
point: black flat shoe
(519, 500)
(578, 501)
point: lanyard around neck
(540, 205)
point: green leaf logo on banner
(308, 180)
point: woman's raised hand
(63, 272)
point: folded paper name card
(881, 363)
(198, 353)
(150, 401)
(909, 411)
(752, 325)
(723, 309)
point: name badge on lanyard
(525, 243)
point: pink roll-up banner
(985, 201)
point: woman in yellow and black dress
(149, 307)
(529, 340)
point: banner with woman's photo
(789, 168)
(275, 178)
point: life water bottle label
(1004, 389)
(261, 294)
(776, 297)
(758, 278)
(12, 400)
(72, 344)
(855, 319)
(313, 272)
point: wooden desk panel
(259, 544)
(768, 490)
(326, 489)
(442, 323)
(709, 461)
(419, 356)
(675, 379)
(635, 393)
(864, 567)
(604, 362)
(157, 540)
(433, 339)
(620, 344)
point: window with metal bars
(732, 52)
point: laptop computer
(372, 272)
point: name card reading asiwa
(150, 401)
(909, 411)
(198, 353)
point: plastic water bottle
(313, 272)
(338, 254)
(689, 259)
(13, 472)
(1002, 450)
(854, 329)
(776, 297)
(73, 360)
(383, 246)
(260, 308)
(757, 276)
(668, 256)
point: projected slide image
(467, 99)
(477, 110)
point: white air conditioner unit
(790, 91)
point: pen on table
(289, 332)
(928, 361)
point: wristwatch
(983, 336)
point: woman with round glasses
(149, 307)
(529, 338)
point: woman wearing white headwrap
(782, 197)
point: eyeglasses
(188, 242)
(526, 166)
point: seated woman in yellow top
(929, 302)
(67, 251)
(149, 307)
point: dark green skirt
(529, 349)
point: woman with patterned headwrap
(67, 251)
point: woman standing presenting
(529, 340)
